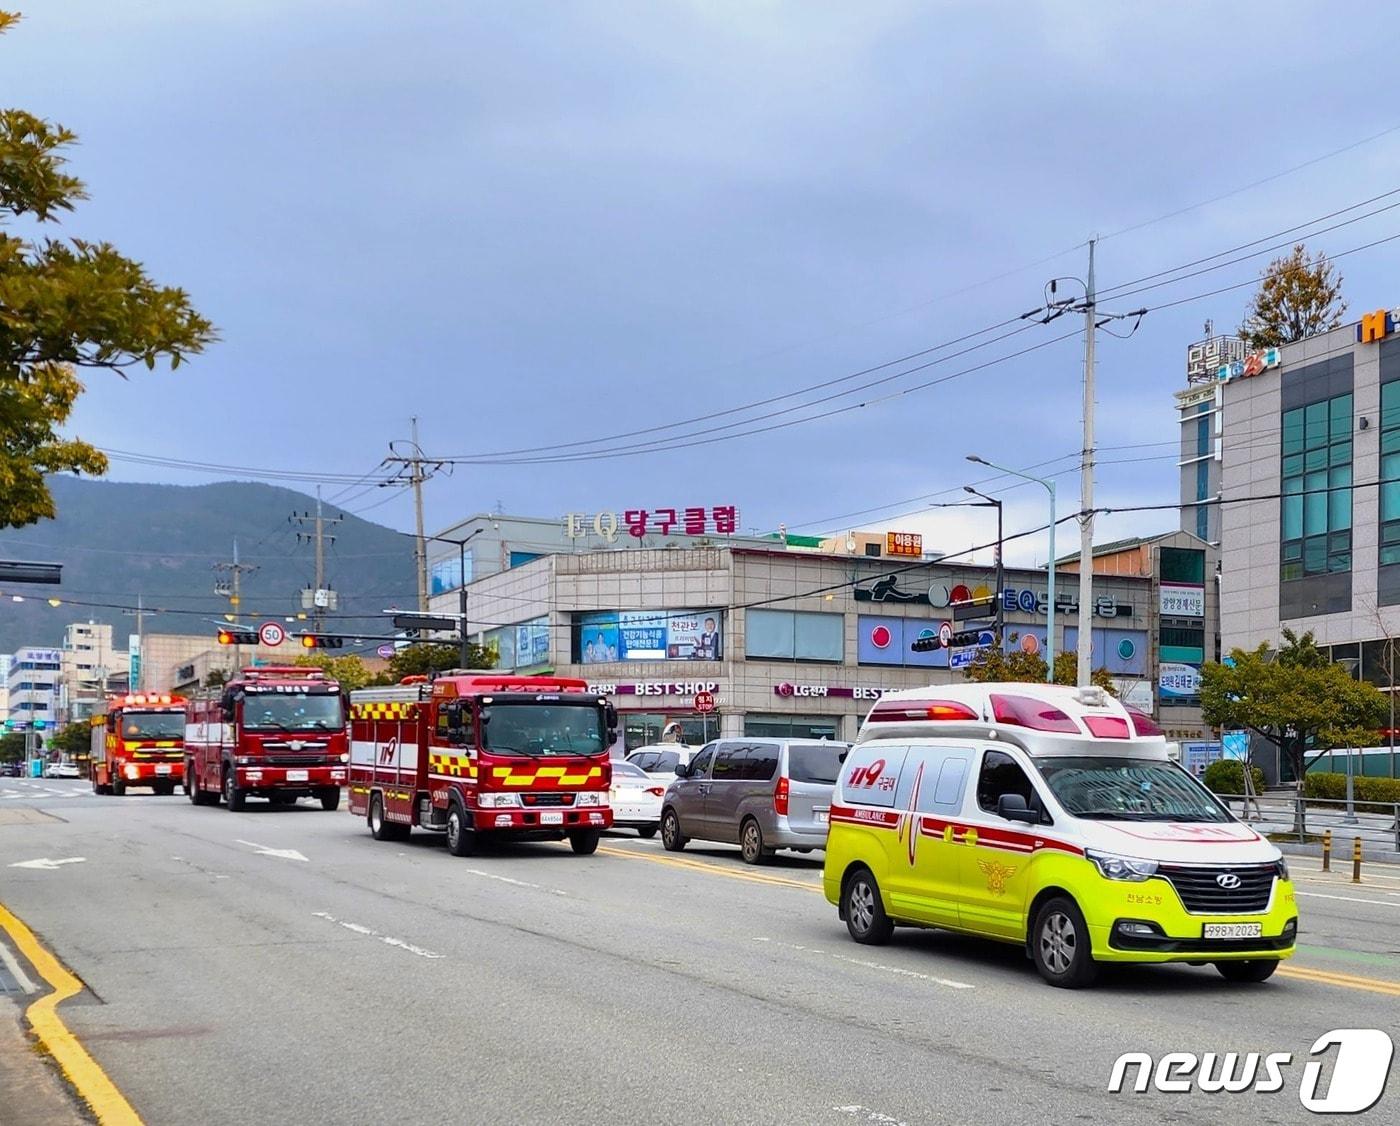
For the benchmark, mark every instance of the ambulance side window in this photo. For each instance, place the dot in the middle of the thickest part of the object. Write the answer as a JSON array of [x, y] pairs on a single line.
[[873, 772], [1001, 775]]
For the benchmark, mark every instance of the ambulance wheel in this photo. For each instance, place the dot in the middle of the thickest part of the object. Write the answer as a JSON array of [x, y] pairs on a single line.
[[330, 799], [461, 837], [864, 910], [1060, 945], [118, 786], [585, 841], [233, 796], [672, 839], [751, 846], [1254, 970]]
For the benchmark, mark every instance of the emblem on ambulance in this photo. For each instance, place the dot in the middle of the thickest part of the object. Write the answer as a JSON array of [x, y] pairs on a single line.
[[997, 875]]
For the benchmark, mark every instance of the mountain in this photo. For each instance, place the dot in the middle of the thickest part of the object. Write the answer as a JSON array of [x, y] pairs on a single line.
[[119, 540]]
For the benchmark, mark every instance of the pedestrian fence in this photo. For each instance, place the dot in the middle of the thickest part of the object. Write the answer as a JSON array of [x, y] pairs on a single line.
[[1377, 822]]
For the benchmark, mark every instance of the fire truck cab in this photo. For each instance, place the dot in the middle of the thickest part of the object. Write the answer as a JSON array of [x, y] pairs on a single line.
[[139, 741], [476, 756], [273, 731]]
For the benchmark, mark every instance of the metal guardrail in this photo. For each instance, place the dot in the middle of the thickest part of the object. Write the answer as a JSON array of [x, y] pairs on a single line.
[[1377, 821]]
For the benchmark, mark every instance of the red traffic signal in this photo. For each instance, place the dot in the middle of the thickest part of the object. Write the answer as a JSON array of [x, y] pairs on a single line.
[[321, 641], [237, 637]]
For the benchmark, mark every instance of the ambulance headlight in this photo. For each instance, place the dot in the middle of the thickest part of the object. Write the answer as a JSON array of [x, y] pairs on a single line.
[[1129, 868], [497, 801], [1281, 868], [593, 797]]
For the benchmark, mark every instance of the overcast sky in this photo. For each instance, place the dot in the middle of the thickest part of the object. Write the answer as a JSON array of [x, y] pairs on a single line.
[[540, 223]]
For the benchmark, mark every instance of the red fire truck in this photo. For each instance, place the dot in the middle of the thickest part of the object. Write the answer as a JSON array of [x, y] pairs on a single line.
[[273, 731], [474, 756], [140, 741]]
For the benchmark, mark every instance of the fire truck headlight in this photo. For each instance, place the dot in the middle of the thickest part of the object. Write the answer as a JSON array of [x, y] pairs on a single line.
[[242, 760], [1122, 867], [593, 797], [132, 772], [345, 758], [497, 801]]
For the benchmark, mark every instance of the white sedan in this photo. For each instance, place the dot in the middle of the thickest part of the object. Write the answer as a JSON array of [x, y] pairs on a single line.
[[62, 770], [635, 799]]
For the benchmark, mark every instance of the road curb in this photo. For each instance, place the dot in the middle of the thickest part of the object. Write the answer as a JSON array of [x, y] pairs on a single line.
[[1341, 857], [92, 1084]]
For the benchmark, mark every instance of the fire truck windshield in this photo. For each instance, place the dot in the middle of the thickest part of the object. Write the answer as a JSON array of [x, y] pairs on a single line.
[[293, 711], [153, 725], [542, 729]]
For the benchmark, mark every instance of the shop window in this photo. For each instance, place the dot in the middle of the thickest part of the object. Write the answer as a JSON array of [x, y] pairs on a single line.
[[791, 727], [794, 635]]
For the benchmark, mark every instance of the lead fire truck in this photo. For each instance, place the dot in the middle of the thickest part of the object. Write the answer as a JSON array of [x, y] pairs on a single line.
[[273, 731], [476, 756], [139, 741]]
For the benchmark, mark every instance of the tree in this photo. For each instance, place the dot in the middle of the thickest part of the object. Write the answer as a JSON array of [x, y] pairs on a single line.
[[1296, 699], [991, 664], [421, 660], [216, 678], [65, 305], [12, 746], [349, 671], [1298, 296], [73, 740]]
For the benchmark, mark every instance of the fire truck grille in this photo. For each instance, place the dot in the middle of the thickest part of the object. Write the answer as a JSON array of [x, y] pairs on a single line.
[[1240, 890], [315, 759], [547, 799]]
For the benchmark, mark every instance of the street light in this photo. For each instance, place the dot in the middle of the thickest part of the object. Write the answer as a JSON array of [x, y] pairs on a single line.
[[462, 652], [987, 502], [1049, 486]]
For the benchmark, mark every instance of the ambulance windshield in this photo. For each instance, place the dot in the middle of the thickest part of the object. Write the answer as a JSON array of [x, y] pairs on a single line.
[[542, 729], [1125, 789]]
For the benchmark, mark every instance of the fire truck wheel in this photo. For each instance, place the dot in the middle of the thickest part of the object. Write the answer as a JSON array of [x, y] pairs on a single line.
[[461, 838], [585, 842], [118, 786], [164, 789], [233, 796], [330, 799], [672, 840]]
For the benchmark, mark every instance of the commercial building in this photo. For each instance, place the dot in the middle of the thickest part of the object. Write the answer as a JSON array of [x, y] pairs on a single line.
[[34, 687], [1201, 421], [785, 642], [87, 660]]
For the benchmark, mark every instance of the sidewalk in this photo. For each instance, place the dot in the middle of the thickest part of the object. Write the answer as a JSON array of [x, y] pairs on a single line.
[[32, 1092]]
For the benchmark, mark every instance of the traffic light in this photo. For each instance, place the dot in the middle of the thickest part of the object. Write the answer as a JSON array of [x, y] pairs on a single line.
[[238, 637], [957, 641], [40, 724], [321, 641]]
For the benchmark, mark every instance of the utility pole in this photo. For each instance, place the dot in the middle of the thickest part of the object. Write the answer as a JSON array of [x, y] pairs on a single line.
[[1093, 321], [320, 600], [414, 469], [140, 615], [233, 590]]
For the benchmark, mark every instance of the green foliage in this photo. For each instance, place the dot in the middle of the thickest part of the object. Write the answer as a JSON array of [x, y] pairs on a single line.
[[349, 671], [73, 740], [12, 746], [1333, 787], [65, 305], [1226, 776], [1298, 296], [421, 660], [992, 665], [216, 678]]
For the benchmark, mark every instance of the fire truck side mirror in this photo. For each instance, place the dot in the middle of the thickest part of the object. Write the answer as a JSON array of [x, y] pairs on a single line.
[[610, 718], [456, 727], [226, 703]]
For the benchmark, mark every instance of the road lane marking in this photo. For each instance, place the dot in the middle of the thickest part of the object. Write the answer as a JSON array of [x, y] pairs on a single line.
[[713, 869], [898, 971], [108, 1104], [1347, 898], [508, 880], [388, 940], [281, 853], [16, 970], [1344, 981], [865, 1114], [47, 865]]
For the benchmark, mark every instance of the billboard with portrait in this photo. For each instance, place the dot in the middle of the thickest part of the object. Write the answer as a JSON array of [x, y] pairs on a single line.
[[648, 635]]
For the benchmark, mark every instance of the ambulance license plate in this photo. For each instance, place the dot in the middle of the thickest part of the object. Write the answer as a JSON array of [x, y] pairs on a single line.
[[1232, 930], [296, 776], [163, 768], [551, 817]]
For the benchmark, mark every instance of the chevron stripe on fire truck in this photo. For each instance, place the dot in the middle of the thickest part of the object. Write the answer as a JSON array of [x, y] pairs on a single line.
[[455, 766], [383, 709], [510, 776]]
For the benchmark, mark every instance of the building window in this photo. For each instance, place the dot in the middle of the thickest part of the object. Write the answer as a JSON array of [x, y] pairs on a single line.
[[794, 635], [1390, 473], [1316, 525], [446, 574], [791, 727], [1203, 432]]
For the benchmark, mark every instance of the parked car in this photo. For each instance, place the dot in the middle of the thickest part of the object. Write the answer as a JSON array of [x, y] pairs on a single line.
[[11, 770], [635, 799], [62, 770], [660, 760], [761, 794]]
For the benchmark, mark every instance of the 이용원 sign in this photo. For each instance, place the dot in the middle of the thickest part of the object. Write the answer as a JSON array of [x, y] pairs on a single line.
[[904, 543]]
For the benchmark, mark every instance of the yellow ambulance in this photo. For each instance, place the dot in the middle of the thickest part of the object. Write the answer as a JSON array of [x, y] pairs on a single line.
[[1053, 818]]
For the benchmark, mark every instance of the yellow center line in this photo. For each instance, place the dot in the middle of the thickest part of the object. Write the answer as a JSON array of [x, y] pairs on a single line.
[[712, 869], [1344, 981], [84, 1072]]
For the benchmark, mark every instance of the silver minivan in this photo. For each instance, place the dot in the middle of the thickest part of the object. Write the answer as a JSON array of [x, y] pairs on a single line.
[[761, 794]]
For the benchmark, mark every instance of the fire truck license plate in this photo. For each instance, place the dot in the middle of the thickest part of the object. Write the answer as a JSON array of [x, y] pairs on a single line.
[[163, 769], [551, 818], [296, 776], [1233, 930]]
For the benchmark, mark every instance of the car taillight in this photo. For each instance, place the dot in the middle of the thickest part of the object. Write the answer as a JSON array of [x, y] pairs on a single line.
[[656, 791], [1024, 711], [780, 796], [1143, 725], [607, 772], [1107, 726]]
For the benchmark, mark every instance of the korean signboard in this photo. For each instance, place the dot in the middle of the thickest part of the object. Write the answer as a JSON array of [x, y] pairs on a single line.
[[1180, 682], [1255, 363], [719, 520], [532, 643], [904, 543], [690, 688], [1182, 600], [649, 635]]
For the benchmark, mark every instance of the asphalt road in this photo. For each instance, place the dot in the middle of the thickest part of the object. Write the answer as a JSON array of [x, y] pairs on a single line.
[[280, 965]]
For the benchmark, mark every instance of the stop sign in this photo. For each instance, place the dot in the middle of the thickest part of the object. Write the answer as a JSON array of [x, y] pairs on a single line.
[[704, 702]]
